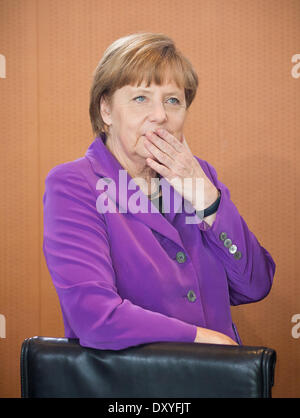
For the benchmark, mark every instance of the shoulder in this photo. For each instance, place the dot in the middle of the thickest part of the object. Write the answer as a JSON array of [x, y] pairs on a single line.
[[72, 174], [69, 168], [68, 187], [72, 178]]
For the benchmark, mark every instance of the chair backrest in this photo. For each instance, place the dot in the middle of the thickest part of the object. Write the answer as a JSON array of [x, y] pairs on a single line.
[[60, 367]]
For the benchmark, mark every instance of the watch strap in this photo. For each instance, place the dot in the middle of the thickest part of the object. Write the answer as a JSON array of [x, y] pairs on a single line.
[[211, 209]]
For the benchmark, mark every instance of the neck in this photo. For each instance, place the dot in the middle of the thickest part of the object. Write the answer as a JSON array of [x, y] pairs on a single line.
[[137, 169]]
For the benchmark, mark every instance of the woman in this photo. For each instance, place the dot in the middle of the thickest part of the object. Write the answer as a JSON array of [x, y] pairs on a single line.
[[128, 272]]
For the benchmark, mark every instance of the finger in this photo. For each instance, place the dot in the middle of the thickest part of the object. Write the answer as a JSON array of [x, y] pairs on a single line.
[[170, 139], [185, 144], [183, 140], [162, 144], [159, 168], [160, 155]]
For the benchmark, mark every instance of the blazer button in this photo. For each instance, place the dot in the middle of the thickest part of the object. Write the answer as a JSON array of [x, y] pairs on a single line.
[[180, 257], [232, 249], [223, 236], [238, 255], [227, 243], [191, 296]]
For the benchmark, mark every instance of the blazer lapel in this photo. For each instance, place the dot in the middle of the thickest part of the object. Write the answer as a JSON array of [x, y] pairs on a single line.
[[126, 195]]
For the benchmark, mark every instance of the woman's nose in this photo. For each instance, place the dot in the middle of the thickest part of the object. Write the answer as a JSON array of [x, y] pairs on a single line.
[[158, 113]]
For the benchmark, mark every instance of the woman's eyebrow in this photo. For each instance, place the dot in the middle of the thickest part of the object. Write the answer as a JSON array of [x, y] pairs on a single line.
[[138, 89]]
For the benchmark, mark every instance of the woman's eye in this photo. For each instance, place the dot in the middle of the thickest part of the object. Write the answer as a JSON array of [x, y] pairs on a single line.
[[138, 97], [143, 98], [174, 98]]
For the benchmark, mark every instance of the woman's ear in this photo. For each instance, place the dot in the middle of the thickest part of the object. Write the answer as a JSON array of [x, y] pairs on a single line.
[[105, 110]]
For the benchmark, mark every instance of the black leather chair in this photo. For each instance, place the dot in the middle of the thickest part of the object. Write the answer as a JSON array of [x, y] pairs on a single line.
[[60, 367]]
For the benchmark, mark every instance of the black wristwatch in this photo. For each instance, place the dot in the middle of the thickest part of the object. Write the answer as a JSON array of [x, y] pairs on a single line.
[[211, 209]]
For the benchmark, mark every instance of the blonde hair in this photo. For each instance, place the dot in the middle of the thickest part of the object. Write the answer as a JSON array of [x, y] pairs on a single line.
[[132, 59]]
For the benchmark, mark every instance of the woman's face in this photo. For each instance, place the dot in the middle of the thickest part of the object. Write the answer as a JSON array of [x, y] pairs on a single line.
[[137, 110]]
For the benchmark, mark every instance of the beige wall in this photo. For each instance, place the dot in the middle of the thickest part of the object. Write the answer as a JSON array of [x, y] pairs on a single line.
[[245, 121]]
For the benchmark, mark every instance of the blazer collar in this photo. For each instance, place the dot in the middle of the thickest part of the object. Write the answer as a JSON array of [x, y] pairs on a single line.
[[105, 165]]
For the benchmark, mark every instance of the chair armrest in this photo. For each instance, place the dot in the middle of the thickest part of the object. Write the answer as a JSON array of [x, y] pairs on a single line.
[[60, 367]]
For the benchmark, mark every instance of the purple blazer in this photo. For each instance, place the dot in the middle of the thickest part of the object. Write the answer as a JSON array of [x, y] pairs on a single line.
[[126, 278]]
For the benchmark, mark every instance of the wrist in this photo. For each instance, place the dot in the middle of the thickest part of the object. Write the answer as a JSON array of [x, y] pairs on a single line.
[[207, 210], [205, 199]]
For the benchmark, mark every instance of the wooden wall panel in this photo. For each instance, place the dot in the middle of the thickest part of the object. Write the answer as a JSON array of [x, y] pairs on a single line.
[[244, 121], [20, 194]]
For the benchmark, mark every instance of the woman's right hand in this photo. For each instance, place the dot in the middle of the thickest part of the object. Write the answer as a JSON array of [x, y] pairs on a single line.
[[209, 336]]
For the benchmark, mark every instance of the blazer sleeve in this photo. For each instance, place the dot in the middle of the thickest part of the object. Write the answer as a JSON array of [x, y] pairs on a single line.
[[77, 253], [249, 267]]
